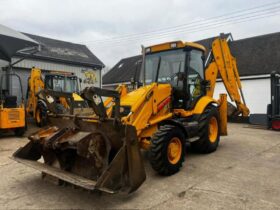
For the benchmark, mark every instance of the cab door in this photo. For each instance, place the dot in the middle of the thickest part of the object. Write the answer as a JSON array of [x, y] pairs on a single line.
[[195, 77]]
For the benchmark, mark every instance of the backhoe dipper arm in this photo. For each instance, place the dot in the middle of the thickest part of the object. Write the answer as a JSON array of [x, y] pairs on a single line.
[[224, 63]]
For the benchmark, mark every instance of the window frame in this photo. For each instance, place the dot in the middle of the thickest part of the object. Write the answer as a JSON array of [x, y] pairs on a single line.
[[187, 96]]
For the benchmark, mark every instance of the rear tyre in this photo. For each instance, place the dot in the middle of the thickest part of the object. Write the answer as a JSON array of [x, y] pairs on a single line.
[[20, 131], [41, 115], [167, 152], [209, 131]]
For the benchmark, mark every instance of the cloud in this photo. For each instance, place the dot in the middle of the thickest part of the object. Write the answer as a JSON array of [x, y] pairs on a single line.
[[87, 20]]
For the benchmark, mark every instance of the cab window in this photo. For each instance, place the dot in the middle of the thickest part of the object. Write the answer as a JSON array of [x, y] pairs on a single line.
[[196, 73]]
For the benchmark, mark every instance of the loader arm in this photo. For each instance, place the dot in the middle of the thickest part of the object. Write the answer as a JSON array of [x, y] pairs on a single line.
[[225, 64], [108, 103]]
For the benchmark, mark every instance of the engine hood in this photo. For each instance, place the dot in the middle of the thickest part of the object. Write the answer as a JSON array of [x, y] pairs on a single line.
[[135, 96]]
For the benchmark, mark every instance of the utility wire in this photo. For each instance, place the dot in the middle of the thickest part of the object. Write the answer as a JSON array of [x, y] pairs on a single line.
[[204, 24], [202, 27], [192, 29], [188, 25], [179, 26], [198, 23], [205, 29]]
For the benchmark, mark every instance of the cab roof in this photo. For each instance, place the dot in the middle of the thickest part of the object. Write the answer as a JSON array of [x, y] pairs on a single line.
[[173, 45]]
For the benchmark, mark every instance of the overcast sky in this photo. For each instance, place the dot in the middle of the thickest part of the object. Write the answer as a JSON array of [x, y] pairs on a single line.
[[89, 21]]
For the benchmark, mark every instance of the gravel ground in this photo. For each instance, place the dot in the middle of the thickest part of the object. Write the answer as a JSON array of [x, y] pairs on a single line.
[[244, 173]]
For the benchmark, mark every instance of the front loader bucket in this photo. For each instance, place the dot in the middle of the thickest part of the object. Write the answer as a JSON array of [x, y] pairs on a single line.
[[91, 154]]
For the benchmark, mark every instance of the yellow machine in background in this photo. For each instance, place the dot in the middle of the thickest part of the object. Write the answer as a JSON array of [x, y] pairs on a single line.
[[12, 113], [61, 82], [174, 107], [12, 108]]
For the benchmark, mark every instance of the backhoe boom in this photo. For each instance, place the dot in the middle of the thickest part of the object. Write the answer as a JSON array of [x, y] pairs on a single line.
[[225, 64]]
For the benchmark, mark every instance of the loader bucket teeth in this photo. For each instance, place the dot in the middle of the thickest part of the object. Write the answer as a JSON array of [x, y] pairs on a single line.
[[92, 155]]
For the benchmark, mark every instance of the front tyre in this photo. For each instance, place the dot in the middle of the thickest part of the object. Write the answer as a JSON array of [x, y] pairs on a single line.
[[167, 152]]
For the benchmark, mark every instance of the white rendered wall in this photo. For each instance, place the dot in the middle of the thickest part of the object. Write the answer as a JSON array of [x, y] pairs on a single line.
[[256, 93]]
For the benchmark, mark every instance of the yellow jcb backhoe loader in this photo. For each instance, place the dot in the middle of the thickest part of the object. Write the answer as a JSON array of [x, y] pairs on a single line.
[[174, 107], [63, 84]]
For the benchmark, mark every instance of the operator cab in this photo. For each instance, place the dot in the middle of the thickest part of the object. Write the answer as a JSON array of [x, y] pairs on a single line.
[[11, 96], [62, 83], [179, 64]]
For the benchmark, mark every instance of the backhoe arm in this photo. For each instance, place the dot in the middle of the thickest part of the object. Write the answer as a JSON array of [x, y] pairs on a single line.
[[35, 84], [224, 63]]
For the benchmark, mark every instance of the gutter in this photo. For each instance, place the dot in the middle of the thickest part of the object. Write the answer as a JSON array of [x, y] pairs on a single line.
[[252, 77], [113, 84]]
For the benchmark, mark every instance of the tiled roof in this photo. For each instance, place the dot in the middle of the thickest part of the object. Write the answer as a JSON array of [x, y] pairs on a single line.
[[124, 70], [66, 52], [257, 55]]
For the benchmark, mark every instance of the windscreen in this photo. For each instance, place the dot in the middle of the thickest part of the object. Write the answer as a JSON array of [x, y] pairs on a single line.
[[167, 64], [71, 84], [66, 84], [58, 84]]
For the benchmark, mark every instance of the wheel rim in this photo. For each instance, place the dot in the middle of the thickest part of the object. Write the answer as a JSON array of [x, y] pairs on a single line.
[[213, 129], [174, 150], [38, 116]]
